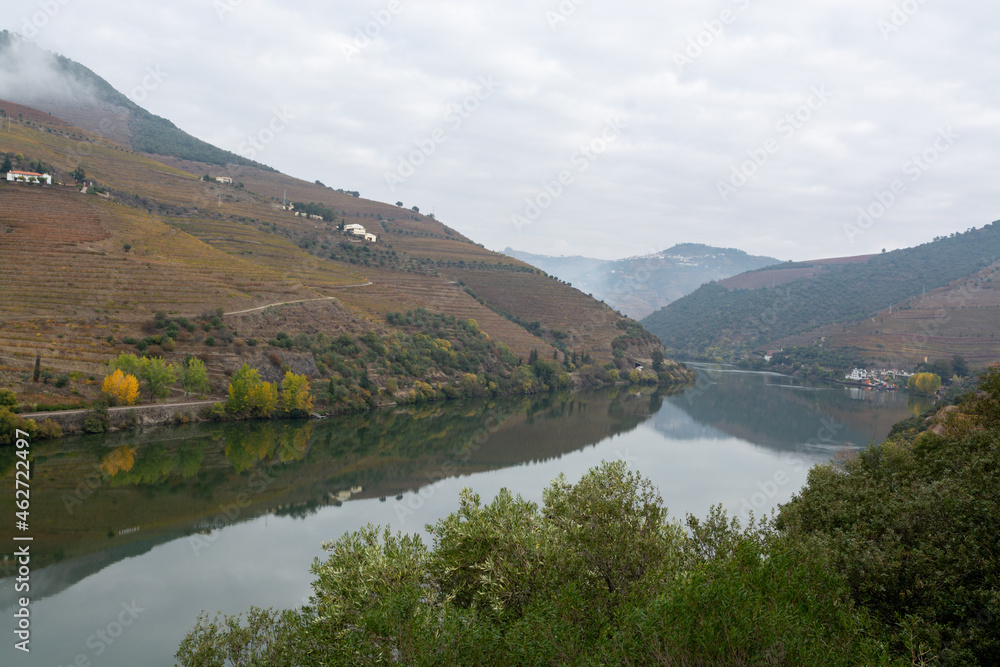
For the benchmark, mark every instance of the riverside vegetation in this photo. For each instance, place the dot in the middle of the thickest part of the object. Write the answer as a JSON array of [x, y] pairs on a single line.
[[428, 356], [889, 558]]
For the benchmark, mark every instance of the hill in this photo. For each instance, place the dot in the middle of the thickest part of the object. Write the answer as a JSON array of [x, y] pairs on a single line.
[[637, 286], [125, 253], [933, 300], [66, 89]]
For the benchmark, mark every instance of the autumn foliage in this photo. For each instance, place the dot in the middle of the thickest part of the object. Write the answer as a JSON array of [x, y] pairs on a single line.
[[296, 398], [120, 459], [122, 388], [925, 384]]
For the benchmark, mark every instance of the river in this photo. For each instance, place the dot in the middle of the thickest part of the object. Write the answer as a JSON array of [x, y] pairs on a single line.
[[134, 534]]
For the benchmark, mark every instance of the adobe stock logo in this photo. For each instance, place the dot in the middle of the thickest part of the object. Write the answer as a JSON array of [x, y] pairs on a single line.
[[580, 161], [154, 77], [455, 115], [914, 168], [254, 144], [740, 174], [363, 36]]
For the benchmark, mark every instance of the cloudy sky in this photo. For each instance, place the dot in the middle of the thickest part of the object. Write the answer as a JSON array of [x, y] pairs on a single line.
[[608, 129]]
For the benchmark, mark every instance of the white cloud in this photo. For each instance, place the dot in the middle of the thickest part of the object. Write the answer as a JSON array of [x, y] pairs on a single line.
[[688, 126]]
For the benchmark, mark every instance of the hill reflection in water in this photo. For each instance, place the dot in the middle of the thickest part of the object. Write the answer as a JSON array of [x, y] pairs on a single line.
[[781, 413], [99, 499]]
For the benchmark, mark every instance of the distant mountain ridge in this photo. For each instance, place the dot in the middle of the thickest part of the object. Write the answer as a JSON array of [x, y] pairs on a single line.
[[72, 92], [637, 286], [754, 311]]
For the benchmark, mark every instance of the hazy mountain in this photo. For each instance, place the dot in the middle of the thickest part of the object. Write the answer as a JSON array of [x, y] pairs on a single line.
[[637, 286], [68, 90]]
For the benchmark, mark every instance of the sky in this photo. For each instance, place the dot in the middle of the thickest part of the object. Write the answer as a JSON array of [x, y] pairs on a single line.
[[586, 127]]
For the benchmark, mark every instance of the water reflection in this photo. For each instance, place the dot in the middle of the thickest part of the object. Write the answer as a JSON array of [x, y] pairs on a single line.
[[782, 413], [98, 499], [224, 516]]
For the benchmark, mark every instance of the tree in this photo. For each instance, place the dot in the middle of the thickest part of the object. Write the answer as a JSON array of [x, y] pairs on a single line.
[[249, 395], [959, 366], [242, 381], [296, 398], [924, 384], [399, 203], [941, 368], [415, 209], [127, 363], [121, 388], [158, 376], [38, 366], [262, 400], [7, 165], [194, 377], [657, 360], [78, 174]]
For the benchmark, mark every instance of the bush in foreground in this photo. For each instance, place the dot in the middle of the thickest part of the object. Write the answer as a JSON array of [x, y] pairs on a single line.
[[597, 575], [913, 524]]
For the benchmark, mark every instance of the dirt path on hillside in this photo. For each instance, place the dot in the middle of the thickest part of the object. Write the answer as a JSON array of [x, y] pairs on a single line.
[[289, 303]]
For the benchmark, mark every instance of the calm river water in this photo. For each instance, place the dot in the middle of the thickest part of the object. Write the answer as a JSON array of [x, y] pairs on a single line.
[[135, 534]]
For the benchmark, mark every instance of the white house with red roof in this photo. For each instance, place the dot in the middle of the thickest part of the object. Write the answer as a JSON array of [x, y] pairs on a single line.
[[28, 177]]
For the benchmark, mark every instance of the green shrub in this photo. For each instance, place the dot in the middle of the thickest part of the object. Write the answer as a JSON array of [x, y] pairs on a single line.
[[913, 524], [50, 429], [98, 420], [10, 423], [597, 576], [8, 398]]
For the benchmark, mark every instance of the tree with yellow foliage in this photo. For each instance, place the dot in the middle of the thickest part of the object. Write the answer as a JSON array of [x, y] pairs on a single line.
[[122, 388], [296, 399], [262, 400], [249, 395], [925, 384]]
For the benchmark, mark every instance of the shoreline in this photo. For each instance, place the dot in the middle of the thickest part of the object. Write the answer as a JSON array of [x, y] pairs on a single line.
[[122, 418]]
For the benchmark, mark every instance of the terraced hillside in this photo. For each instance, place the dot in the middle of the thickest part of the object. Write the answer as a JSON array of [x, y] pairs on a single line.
[[941, 296], [961, 318], [86, 271]]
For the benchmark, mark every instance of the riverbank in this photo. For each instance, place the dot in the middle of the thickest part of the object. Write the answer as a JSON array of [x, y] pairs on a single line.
[[121, 418]]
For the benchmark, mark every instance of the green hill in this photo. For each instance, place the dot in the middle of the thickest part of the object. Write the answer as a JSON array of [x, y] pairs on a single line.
[[718, 321]]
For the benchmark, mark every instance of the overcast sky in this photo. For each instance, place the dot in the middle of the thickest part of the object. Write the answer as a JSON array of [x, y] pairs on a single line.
[[606, 129]]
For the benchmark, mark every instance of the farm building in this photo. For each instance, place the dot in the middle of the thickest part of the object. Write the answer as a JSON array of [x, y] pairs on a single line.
[[224, 179], [28, 177], [354, 228]]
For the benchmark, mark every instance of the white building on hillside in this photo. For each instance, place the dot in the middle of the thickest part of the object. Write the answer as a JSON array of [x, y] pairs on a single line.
[[354, 228], [28, 177]]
